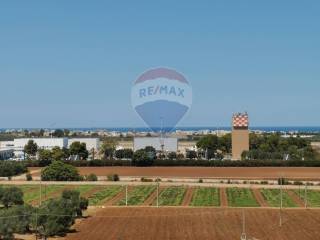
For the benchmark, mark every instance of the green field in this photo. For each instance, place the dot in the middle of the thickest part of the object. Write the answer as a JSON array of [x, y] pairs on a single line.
[[313, 197], [205, 197], [272, 196], [104, 194], [172, 196], [138, 195], [241, 197]]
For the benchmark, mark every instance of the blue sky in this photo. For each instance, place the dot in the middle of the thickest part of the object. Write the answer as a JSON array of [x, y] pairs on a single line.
[[73, 63]]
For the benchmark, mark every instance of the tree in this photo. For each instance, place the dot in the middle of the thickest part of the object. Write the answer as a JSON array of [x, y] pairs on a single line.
[[58, 133], [191, 154], [77, 203], [45, 157], [143, 158], [11, 168], [57, 154], [79, 149], [172, 155], [11, 196], [31, 148], [10, 224], [124, 154], [108, 148], [59, 171], [56, 216]]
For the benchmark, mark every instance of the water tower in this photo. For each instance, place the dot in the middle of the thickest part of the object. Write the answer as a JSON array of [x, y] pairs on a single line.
[[240, 134]]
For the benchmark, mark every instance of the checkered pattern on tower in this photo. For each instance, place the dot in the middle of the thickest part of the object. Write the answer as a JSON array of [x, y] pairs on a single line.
[[240, 120]]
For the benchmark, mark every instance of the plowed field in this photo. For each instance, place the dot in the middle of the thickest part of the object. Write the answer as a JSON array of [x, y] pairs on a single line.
[[189, 224]]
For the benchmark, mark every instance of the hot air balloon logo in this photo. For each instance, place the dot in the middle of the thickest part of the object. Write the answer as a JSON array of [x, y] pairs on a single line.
[[161, 97]]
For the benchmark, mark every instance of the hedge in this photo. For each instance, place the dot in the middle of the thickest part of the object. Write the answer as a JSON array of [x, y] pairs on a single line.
[[193, 163]]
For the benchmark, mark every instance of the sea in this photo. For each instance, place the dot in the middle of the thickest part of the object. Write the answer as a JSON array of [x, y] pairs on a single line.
[[289, 129]]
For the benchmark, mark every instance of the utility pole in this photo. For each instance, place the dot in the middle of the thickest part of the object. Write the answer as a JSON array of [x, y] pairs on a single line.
[[158, 194], [243, 235], [280, 212], [306, 196], [40, 194], [126, 195]]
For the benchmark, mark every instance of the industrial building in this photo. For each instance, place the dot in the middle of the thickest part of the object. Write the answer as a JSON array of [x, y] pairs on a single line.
[[15, 148], [159, 143], [91, 143], [240, 135]]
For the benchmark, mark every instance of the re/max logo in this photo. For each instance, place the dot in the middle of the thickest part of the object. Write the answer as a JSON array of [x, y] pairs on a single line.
[[165, 90]]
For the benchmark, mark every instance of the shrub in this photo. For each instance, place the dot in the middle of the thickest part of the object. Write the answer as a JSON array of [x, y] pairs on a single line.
[[200, 180], [283, 181], [11, 168], [113, 177], [29, 177], [143, 179], [11, 196], [91, 178], [59, 171]]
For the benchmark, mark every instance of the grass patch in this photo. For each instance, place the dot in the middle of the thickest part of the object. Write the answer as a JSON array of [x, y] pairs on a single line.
[[203, 197], [104, 195], [313, 197], [172, 196], [138, 195], [46, 190], [241, 197], [272, 196]]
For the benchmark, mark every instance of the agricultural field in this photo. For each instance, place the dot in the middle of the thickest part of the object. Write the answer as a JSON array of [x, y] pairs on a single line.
[[104, 195], [172, 196], [205, 197], [138, 195], [197, 223], [241, 197], [145, 195], [313, 197], [272, 196]]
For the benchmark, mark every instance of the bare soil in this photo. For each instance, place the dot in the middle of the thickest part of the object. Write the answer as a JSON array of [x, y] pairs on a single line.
[[295, 198], [223, 198], [188, 197], [260, 199], [312, 173], [145, 223]]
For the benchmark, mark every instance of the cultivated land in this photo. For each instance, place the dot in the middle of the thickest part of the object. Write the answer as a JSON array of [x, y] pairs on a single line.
[[183, 196], [205, 172], [197, 223]]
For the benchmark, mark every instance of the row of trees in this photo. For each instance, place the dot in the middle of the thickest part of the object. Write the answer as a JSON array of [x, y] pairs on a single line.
[[11, 168], [47, 156], [273, 146], [52, 218]]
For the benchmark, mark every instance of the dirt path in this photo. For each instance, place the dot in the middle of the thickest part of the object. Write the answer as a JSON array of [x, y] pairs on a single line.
[[260, 199], [113, 201], [223, 198], [92, 191], [295, 198], [152, 198], [187, 197]]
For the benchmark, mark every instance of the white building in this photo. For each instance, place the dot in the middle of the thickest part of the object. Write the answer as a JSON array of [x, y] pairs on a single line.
[[43, 143], [6, 153], [168, 144], [91, 143]]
